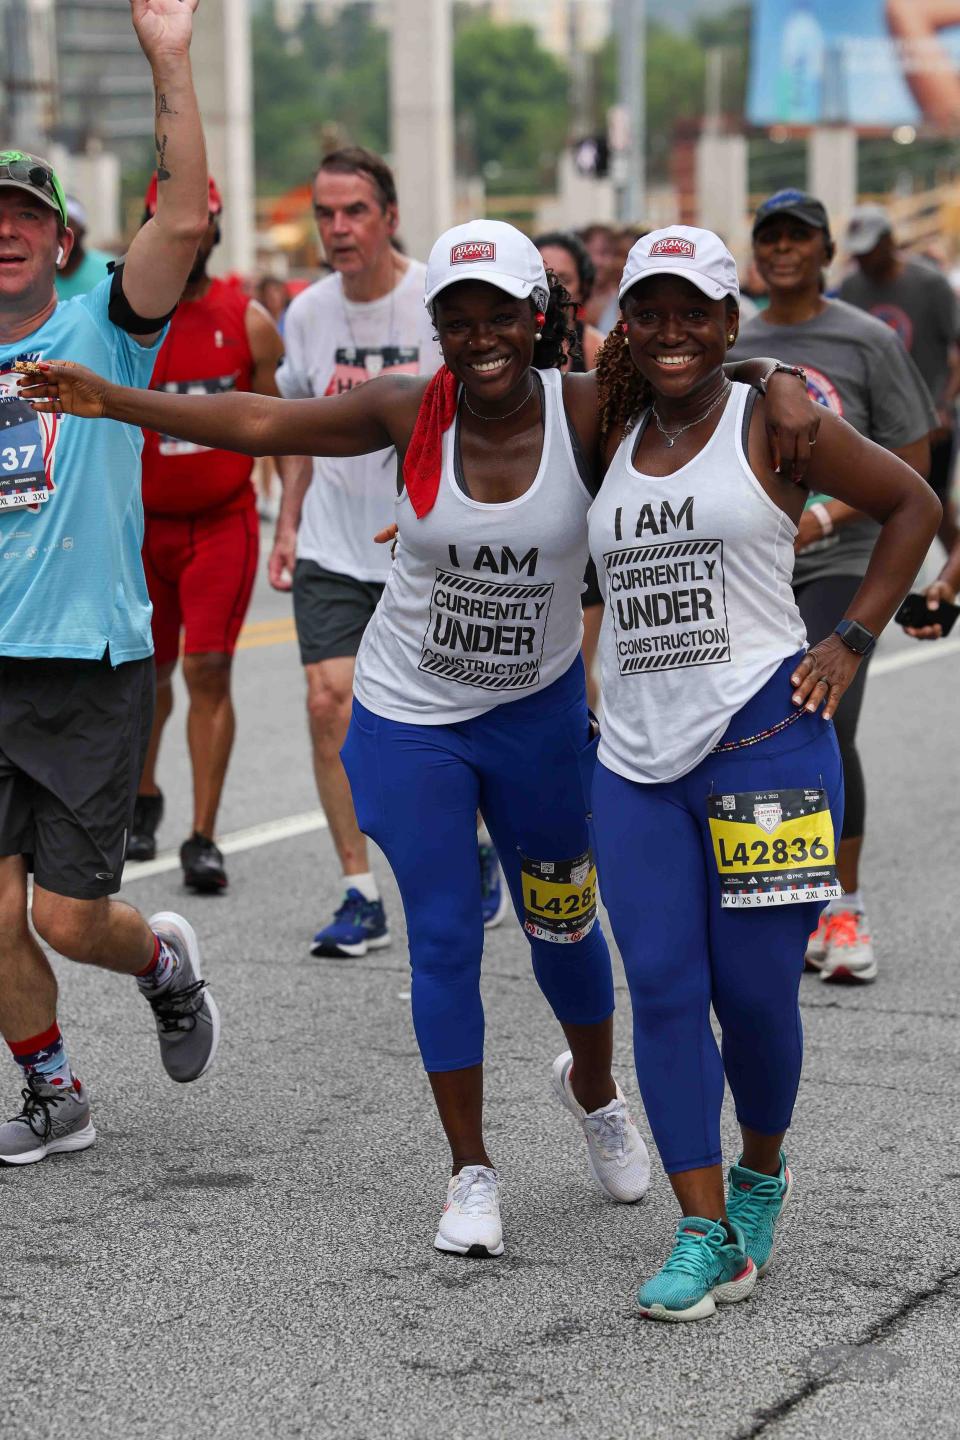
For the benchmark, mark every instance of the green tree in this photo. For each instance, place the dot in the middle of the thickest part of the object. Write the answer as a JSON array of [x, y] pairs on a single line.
[[319, 76], [511, 104]]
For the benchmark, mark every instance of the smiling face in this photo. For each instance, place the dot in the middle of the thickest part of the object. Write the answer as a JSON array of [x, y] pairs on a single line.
[[790, 255], [678, 337], [355, 227], [487, 338], [30, 236]]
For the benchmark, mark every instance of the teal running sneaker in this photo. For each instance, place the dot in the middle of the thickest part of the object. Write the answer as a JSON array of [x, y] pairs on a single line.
[[705, 1269], [755, 1203]]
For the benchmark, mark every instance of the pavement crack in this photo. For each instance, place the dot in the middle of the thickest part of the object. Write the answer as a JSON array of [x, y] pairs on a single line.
[[881, 1329]]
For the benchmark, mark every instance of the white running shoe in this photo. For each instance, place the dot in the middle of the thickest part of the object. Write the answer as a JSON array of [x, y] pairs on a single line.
[[617, 1155], [470, 1219], [818, 944], [850, 958]]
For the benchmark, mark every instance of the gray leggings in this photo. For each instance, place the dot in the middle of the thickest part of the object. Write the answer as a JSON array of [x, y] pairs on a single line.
[[822, 604]]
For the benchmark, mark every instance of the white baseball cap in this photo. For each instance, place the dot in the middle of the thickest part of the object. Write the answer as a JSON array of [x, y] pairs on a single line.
[[868, 225], [696, 255], [488, 250]]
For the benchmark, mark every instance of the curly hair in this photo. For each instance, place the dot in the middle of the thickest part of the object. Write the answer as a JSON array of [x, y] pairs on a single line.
[[622, 392], [558, 338], [575, 248]]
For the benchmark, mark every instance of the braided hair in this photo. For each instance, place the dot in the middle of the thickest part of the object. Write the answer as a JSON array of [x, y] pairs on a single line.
[[622, 392], [558, 338]]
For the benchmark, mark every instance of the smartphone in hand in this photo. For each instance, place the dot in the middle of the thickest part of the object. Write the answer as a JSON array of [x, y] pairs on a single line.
[[914, 612]]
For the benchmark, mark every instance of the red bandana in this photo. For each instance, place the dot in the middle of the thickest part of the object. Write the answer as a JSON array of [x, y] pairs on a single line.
[[423, 460]]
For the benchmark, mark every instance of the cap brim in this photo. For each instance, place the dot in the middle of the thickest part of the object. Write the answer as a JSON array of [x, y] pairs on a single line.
[[862, 244], [800, 215], [37, 195], [711, 288], [518, 289]]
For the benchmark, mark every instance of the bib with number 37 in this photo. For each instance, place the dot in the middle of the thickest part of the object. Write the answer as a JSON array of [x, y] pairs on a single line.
[[773, 847]]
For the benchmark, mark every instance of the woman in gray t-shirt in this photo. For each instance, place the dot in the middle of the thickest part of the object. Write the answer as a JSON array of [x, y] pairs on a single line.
[[858, 368]]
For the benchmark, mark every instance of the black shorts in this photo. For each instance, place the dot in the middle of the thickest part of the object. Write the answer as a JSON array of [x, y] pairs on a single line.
[[331, 611], [941, 468], [73, 737], [591, 595]]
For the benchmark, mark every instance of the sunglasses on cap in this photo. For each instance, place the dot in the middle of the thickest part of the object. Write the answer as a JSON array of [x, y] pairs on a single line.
[[26, 171]]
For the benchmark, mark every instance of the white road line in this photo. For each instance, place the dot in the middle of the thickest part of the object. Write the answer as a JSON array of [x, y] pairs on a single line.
[[310, 821], [924, 651], [251, 839]]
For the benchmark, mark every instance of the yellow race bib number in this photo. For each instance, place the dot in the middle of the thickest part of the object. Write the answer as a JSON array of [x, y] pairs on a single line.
[[773, 847], [559, 898]]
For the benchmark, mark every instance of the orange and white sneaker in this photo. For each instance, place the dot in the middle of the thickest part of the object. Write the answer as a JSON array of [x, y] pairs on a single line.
[[849, 959], [818, 944]]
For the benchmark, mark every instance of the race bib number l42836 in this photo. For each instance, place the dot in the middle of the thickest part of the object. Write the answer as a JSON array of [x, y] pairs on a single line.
[[773, 847]]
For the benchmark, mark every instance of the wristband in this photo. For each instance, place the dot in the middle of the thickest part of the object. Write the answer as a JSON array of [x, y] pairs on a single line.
[[823, 516], [779, 367]]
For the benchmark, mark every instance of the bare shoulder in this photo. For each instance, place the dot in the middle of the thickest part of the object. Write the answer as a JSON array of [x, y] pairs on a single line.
[[580, 402]]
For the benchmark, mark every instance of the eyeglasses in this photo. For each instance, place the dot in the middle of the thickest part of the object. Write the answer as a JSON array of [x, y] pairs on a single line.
[[29, 172]]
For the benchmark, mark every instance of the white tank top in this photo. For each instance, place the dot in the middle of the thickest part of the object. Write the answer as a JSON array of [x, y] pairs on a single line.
[[696, 569], [482, 604]]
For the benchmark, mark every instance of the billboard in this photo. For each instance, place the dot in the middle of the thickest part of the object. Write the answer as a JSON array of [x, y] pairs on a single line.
[[868, 63]]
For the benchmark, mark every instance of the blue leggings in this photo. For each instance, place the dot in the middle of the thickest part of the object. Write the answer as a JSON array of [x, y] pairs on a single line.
[[417, 789], [683, 953]]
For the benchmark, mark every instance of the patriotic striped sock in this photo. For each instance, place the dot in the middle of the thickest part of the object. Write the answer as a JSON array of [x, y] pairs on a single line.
[[45, 1057]]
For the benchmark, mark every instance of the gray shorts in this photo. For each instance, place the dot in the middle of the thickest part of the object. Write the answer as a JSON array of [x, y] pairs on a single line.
[[73, 737], [331, 611]]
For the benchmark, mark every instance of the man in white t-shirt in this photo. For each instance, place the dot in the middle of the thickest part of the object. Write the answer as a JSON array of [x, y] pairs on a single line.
[[366, 318]]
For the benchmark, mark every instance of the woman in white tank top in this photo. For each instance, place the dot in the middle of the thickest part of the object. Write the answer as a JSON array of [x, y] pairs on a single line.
[[469, 686], [718, 790]]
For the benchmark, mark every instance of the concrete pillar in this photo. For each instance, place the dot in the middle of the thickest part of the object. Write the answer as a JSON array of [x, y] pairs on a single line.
[[832, 171], [222, 73], [421, 120], [722, 195]]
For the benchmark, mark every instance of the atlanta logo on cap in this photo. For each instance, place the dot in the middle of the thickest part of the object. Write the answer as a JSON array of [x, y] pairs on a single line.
[[469, 251], [676, 246]]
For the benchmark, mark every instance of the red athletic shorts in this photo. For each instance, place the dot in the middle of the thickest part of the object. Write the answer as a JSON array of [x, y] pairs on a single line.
[[200, 571]]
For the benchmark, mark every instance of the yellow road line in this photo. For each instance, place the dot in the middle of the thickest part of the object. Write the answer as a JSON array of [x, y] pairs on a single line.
[[267, 632]]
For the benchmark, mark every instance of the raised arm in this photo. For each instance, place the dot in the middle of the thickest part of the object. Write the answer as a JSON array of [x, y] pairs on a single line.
[[792, 418], [928, 67], [370, 417], [163, 250]]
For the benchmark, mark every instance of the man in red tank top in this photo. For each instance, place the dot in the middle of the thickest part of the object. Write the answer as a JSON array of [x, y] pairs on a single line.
[[201, 545]]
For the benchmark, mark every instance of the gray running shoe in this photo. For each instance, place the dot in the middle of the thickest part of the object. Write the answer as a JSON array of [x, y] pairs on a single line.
[[188, 1021], [52, 1121]]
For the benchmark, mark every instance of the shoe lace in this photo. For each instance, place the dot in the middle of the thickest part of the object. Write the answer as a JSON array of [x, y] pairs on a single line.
[[844, 928], [689, 1253], [746, 1206], [36, 1110], [177, 1009], [475, 1191], [608, 1130], [352, 908]]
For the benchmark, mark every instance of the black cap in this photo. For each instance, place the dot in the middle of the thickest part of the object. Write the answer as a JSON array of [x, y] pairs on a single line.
[[796, 203]]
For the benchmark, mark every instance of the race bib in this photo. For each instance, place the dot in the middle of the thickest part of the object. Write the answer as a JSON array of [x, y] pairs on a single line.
[[773, 847], [559, 898], [23, 479]]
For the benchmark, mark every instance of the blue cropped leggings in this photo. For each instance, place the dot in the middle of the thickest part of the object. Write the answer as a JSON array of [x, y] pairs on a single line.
[[417, 789], [683, 953]]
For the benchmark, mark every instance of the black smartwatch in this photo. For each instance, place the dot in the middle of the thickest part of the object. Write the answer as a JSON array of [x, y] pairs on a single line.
[[856, 637]]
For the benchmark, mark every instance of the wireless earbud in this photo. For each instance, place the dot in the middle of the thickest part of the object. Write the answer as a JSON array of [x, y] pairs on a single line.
[[60, 256]]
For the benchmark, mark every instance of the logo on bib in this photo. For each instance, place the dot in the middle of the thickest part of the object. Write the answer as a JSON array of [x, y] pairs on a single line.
[[768, 817], [675, 246], [470, 250]]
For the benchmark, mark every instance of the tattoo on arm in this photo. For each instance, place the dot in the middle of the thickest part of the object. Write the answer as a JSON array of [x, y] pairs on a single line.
[[163, 108], [162, 172]]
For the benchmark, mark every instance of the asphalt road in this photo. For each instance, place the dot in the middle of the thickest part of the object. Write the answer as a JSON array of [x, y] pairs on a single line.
[[251, 1256]]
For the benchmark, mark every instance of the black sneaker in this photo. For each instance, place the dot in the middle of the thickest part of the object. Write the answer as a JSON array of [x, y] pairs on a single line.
[[202, 864], [147, 814]]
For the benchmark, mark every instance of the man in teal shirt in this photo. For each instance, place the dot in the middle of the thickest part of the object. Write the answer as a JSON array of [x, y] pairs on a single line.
[[76, 669], [84, 268]]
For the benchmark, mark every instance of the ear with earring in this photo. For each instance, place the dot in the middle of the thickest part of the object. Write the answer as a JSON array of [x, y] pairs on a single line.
[[626, 338], [541, 320]]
